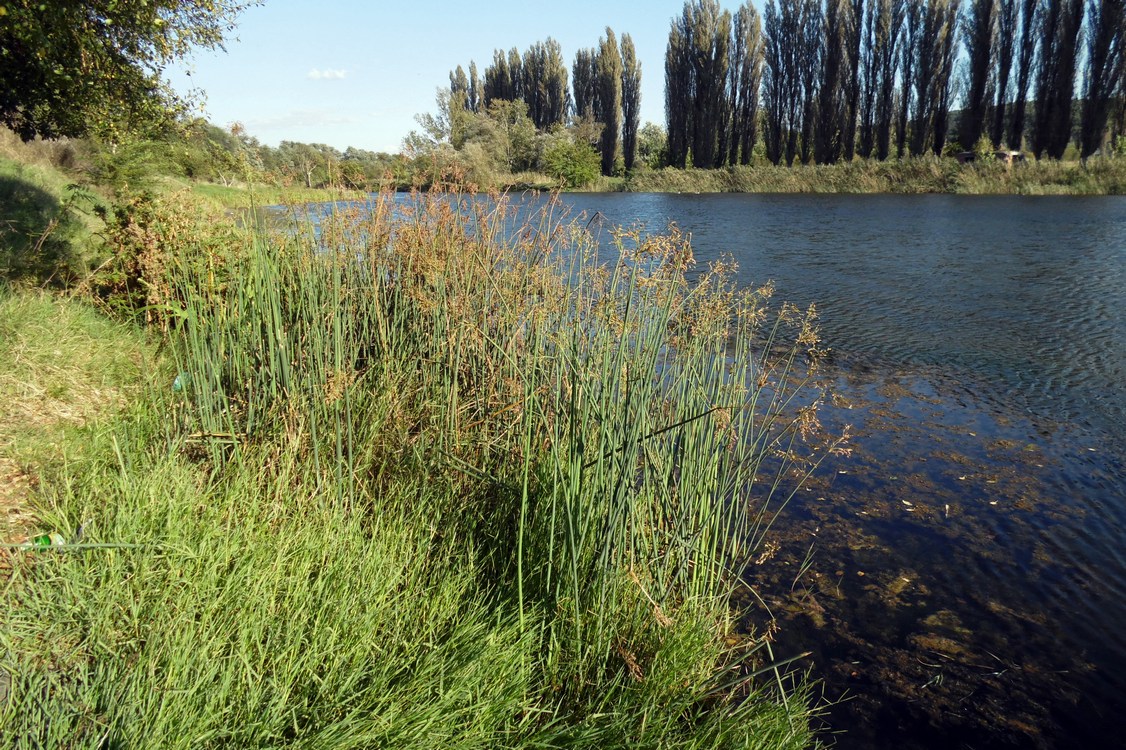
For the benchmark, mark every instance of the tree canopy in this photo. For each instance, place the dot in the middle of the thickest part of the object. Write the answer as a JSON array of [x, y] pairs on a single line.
[[73, 67]]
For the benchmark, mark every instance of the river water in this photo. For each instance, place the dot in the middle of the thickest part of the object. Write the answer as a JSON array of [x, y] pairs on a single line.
[[967, 583]]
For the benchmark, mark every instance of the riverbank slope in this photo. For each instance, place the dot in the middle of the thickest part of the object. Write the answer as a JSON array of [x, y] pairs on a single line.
[[338, 497]]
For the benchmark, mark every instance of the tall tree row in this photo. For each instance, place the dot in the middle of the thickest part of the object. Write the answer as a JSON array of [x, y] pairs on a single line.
[[713, 74], [538, 78], [824, 80]]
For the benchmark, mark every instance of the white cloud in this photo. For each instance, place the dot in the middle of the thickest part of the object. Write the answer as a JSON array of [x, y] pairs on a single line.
[[326, 75]]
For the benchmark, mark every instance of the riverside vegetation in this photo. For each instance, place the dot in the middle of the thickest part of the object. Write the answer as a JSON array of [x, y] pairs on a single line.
[[439, 472]]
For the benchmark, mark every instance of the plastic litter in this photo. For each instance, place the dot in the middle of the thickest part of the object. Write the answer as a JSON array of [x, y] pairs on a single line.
[[182, 381], [44, 541]]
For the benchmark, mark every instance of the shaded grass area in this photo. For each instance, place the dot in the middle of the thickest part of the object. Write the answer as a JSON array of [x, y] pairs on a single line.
[[47, 224], [431, 476], [911, 176]]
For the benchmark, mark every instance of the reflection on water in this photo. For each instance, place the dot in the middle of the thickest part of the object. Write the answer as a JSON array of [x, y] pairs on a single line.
[[968, 586]]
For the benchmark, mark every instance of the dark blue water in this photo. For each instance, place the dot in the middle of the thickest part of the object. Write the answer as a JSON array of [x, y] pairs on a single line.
[[960, 578], [968, 585]]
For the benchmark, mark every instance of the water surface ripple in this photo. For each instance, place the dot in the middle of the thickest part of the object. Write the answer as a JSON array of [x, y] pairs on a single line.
[[969, 579]]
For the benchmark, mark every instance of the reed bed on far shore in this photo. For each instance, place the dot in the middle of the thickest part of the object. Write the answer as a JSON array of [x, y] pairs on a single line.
[[917, 175]]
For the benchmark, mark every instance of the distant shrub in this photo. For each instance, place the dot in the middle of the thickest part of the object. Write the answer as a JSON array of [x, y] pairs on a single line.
[[573, 164]]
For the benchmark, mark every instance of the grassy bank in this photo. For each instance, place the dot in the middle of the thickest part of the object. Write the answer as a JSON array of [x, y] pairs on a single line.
[[240, 196], [912, 176], [425, 478]]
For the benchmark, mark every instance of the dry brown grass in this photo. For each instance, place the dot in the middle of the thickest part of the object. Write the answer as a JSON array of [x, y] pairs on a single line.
[[63, 368]]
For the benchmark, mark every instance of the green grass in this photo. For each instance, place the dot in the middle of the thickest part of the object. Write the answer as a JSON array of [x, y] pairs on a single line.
[[480, 491], [63, 367], [243, 196]]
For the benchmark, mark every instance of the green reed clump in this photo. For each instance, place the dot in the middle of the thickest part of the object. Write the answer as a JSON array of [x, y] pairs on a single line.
[[446, 472]]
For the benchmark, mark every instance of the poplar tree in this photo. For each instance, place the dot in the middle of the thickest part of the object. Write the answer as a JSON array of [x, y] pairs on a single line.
[[498, 80], [678, 92], [1007, 18], [745, 83], [1026, 59], [869, 77], [459, 88], [544, 84], [1055, 79], [583, 74], [934, 36], [912, 36], [609, 102], [696, 69], [889, 26], [516, 73], [809, 66], [1106, 21], [927, 65], [631, 101], [832, 104], [980, 25], [711, 34], [474, 88], [782, 87], [944, 81], [853, 33]]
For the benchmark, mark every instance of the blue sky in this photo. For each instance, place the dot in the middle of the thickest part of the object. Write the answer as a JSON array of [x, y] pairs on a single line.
[[356, 72]]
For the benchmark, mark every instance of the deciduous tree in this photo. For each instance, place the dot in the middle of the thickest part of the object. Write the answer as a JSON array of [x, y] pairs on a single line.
[[745, 83], [70, 68], [832, 104]]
